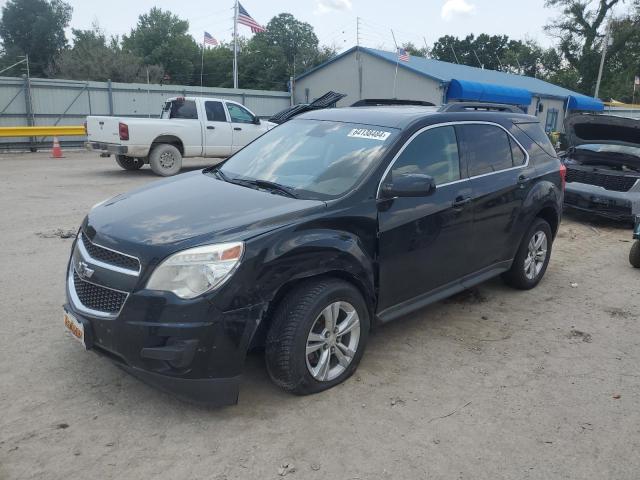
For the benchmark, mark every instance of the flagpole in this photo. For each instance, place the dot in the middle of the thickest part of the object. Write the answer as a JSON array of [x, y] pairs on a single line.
[[201, 66], [395, 76], [235, 45]]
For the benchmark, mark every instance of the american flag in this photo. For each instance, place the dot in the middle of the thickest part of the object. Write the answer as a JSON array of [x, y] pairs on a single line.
[[403, 55], [245, 19], [209, 40]]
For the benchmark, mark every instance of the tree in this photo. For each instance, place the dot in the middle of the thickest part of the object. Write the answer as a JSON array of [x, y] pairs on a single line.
[[411, 49], [161, 38], [580, 33], [94, 57], [34, 28]]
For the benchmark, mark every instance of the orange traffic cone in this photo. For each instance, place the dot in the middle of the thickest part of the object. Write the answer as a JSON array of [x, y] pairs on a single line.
[[56, 151]]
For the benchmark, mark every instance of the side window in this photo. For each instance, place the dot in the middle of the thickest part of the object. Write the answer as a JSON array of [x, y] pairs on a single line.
[[239, 114], [185, 109], [434, 152], [519, 157], [215, 112], [487, 149]]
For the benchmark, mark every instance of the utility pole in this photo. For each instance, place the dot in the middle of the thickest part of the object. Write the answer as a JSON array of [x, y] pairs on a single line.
[[235, 45], [605, 45]]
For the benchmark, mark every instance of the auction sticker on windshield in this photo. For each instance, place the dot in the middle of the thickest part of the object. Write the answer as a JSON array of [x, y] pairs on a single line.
[[370, 134]]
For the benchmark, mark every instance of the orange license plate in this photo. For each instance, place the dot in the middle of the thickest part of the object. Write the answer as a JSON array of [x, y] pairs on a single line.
[[75, 328]]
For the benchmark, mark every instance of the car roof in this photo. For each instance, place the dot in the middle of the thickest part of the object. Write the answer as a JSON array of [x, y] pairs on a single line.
[[402, 116]]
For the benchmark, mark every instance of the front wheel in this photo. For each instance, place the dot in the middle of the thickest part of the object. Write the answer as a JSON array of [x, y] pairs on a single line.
[[165, 160], [129, 163], [318, 336], [532, 257], [634, 254]]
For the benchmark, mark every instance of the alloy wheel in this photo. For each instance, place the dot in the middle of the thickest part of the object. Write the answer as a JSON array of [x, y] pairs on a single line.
[[536, 255], [333, 341]]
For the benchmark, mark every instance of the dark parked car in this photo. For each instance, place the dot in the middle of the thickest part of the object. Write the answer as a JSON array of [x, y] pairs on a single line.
[[603, 165], [328, 224]]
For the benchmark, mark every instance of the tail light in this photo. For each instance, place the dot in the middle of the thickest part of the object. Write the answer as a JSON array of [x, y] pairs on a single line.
[[123, 130], [563, 176]]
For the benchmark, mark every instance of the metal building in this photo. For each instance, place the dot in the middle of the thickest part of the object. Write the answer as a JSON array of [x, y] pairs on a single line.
[[362, 72]]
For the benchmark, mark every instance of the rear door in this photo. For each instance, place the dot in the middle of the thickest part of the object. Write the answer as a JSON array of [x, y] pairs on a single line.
[[424, 242], [243, 123], [103, 129], [501, 178], [217, 132]]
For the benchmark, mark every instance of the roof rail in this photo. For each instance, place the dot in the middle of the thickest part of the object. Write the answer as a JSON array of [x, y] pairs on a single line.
[[379, 102], [479, 107]]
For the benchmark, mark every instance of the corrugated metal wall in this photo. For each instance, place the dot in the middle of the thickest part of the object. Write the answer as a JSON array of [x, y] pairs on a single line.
[[68, 102]]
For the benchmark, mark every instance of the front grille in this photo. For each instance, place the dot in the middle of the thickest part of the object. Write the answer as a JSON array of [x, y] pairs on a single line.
[[618, 183], [109, 256], [98, 298]]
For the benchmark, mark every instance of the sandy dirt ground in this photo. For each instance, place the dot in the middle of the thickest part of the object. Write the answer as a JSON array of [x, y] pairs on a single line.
[[491, 384]]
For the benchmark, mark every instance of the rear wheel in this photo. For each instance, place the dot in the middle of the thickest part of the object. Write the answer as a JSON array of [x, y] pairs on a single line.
[[532, 257], [634, 254], [165, 160], [129, 163], [317, 337]]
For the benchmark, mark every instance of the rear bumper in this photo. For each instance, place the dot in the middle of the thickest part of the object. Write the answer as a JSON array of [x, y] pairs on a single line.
[[619, 206], [107, 147]]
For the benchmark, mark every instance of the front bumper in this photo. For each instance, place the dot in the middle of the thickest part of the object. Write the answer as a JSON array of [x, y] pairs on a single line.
[[619, 206], [190, 348]]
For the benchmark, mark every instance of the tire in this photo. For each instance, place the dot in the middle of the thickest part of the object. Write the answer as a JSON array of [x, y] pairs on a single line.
[[129, 163], [634, 254], [525, 276], [299, 323], [165, 160]]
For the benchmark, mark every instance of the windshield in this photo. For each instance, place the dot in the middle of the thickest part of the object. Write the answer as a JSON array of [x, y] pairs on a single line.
[[313, 159]]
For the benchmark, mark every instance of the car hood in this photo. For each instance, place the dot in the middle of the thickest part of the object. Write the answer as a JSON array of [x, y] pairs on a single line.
[[583, 129], [187, 210]]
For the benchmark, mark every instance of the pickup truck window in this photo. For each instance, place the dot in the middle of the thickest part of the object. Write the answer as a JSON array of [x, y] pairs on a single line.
[[215, 112], [185, 109], [434, 153], [239, 114], [315, 159]]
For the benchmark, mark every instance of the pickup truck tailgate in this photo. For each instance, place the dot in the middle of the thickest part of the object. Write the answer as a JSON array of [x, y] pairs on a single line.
[[103, 129]]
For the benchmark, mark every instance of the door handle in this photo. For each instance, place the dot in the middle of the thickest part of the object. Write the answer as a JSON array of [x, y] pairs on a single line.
[[210, 127], [237, 128], [461, 201]]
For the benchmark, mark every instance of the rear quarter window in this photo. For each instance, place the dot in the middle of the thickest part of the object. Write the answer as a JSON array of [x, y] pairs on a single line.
[[535, 132]]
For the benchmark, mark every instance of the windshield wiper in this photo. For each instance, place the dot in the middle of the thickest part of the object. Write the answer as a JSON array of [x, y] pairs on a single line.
[[219, 173], [266, 184]]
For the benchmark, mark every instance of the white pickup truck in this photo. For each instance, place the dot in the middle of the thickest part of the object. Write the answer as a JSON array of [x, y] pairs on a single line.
[[188, 127]]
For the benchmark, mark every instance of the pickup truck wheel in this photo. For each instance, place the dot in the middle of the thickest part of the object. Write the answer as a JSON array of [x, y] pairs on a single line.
[[318, 336], [129, 163], [634, 254], [532, 257], [165, 160]]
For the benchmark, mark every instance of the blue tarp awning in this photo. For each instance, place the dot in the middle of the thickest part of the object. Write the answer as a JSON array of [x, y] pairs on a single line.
[[582, 102], [463, 90]]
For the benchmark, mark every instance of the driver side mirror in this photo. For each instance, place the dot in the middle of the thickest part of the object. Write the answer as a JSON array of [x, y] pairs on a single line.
[[256, 120], [408, 185]]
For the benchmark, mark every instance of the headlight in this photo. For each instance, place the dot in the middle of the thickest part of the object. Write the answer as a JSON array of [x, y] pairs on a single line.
[[198, 270]]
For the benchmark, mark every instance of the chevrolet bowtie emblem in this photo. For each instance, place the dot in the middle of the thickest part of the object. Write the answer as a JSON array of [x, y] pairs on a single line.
[[83, 270]]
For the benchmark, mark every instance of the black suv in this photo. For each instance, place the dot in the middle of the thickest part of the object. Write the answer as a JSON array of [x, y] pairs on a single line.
[[308, 237]]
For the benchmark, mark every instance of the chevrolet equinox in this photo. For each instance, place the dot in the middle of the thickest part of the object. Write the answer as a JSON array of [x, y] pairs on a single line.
[[300, 243]]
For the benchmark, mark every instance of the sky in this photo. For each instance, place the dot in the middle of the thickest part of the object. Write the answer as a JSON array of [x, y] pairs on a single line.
[[335, 21]]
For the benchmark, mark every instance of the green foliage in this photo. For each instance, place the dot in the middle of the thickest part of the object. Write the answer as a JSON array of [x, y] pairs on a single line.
[[161, 38], [34, 28], [93, 57]]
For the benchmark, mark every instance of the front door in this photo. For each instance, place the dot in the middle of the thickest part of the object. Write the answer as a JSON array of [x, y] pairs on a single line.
[[424, 241], [243, 123], [501, 178], [217, 131]]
